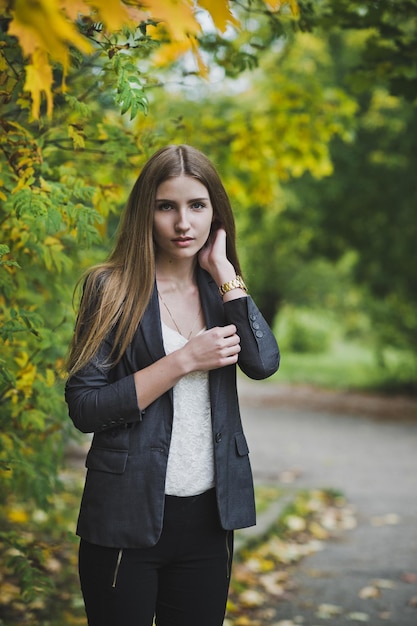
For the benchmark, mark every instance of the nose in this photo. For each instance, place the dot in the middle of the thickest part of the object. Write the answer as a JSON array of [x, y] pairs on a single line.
[[182, 224]]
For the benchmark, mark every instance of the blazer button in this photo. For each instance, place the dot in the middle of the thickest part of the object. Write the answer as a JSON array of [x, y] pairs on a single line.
[[259, 334], [218, 437], [255, 325]]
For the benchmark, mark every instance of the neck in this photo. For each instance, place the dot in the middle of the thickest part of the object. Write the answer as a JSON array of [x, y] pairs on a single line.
[[176, 275]]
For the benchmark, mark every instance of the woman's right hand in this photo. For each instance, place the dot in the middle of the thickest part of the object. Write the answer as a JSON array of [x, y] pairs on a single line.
[[214, 348], [209, 350]]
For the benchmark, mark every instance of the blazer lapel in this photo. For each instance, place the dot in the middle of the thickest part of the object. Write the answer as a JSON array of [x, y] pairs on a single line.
[[214, 316], [150, 327], [210, 301]]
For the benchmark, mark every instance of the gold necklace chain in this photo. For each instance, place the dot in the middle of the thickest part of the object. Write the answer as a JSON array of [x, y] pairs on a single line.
[[175, 323]]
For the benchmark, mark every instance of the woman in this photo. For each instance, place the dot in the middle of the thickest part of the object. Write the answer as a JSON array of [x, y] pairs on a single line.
[[152, 373]]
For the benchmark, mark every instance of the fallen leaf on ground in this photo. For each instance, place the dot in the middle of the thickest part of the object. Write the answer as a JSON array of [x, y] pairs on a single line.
[[384, 615], [266, 615], [384, 583], [252, 598], [290, 475], [289, 552], [326, 611], [246, 621], [390, 519], [294, 522], [369, 592], [413, 602], [272, 584], [358, 617], [318, 531], [409, 577]]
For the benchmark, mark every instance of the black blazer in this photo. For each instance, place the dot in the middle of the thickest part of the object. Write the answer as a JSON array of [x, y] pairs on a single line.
[[123, 500]]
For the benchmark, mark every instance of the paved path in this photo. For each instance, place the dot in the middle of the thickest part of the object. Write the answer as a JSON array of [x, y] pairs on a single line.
[[367, 448]]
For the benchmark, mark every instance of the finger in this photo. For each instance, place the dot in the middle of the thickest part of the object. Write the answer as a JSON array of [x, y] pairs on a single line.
[[229, 330], [220, 236], [233, 340]]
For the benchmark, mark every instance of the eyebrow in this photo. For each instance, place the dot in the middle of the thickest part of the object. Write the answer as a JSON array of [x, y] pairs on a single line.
[[191, 200]]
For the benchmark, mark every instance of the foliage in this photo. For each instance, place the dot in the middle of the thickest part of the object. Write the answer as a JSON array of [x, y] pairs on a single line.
[[73, 80], [39, 582], [351, 365], [46, 32], [389, 55], [367, 206], [304, 332]]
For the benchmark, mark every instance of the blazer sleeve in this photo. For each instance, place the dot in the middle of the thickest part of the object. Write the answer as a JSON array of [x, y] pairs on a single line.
[[96, 401], [259, 356]]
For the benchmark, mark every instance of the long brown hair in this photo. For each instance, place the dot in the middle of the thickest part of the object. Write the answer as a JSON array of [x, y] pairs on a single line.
[[117, 292]]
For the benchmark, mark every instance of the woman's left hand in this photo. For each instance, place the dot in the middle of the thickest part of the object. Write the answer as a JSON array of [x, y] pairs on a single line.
[[212, 257]]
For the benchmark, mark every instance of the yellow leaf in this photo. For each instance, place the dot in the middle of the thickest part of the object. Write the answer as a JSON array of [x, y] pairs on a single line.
[[39, 80], [9, 593], [295, 9], [220, 12], [3, 62], [276, 5], [17, 516], [53, 242], [202, 67], [77, 135], [22, 360], [50, 378], [75, 8], [177, 15], [25, 380], [318, 531], [112, 12], [44, 32], [42, 24], [171, 51]]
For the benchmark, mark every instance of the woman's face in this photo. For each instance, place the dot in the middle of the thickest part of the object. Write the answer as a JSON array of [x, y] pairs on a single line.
[[182, 218]]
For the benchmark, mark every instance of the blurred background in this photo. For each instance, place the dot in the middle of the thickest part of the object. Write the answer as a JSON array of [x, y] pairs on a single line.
[[308, 111]]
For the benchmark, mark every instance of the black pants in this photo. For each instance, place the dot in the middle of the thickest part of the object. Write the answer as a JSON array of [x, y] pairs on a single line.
[[183, 580]]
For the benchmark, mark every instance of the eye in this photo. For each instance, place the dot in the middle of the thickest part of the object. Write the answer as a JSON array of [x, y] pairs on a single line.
[[164, 206], [198, 205]]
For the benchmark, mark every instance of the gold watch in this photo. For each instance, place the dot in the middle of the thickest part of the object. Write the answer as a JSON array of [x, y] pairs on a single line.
[[236, 283]]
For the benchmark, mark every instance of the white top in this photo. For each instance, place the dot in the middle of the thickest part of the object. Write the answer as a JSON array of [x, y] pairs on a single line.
[[190, 461]]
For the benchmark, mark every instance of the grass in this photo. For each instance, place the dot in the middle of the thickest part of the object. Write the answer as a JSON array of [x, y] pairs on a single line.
[[350, 365]]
